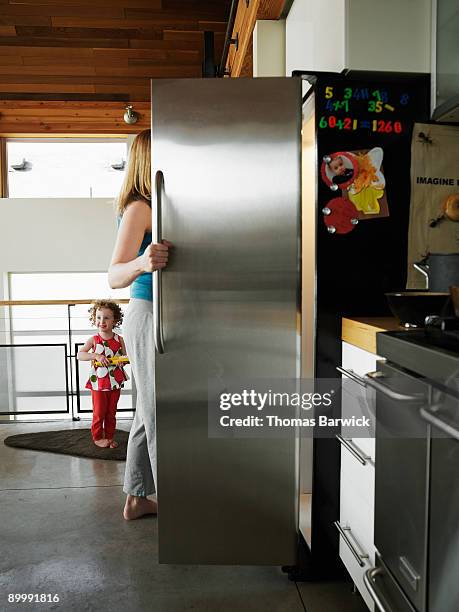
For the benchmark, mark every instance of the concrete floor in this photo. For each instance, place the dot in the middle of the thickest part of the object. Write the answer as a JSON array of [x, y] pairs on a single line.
[[61, 532]]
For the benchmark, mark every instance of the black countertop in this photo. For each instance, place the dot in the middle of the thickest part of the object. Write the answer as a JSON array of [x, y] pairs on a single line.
[[432, 356]]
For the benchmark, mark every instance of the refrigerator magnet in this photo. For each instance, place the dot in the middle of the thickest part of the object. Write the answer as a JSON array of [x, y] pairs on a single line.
[[368, 191], [340, 216], [338, 170]]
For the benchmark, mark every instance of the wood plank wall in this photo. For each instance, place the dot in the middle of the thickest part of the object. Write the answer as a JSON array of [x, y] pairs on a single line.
[[102, 49], [64, 118]]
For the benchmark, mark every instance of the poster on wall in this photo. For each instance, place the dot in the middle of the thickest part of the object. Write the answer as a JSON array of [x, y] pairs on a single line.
[[434, 206]]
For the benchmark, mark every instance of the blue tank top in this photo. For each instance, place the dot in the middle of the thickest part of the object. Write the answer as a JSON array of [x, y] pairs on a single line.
[[141, 288]]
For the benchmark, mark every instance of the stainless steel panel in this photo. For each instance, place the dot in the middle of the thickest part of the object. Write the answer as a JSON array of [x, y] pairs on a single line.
[[309, 176], [401, 476], [410, 350], [229, 150], [444, 513]]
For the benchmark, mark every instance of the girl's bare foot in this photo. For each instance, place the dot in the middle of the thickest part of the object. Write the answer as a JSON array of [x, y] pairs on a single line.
[[102, 443], [113, 444], [135, 507]]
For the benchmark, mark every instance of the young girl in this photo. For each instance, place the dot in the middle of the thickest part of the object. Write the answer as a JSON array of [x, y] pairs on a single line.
[[105, 380]]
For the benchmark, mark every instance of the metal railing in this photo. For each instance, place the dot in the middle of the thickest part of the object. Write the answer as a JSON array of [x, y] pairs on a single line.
[[40, 375]]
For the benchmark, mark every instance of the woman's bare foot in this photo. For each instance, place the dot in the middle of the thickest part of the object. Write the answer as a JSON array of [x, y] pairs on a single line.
[[113, 443], [103, 443], [135, 507]]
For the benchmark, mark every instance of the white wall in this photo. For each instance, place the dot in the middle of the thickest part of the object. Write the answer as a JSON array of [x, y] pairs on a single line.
[[359, 34], [389, 35], [315, 35], [55, 235], [269, 48]]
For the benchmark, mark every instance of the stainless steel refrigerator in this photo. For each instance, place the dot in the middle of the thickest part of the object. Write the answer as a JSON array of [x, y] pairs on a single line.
[[257, 284], [226, 157]]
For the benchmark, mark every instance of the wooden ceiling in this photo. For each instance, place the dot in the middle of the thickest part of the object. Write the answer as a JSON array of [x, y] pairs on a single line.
[[102, 49]]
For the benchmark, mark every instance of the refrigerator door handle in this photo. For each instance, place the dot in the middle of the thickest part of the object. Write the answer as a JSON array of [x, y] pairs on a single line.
[[157, 276]]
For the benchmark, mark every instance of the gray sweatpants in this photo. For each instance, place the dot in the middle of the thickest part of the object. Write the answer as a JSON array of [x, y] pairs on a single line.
[[140, 474]]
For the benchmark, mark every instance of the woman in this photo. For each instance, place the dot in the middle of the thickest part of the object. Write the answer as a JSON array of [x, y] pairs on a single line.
[[133, 261]]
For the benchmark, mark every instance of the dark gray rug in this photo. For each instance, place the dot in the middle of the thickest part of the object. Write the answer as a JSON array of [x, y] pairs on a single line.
[[77, 442]]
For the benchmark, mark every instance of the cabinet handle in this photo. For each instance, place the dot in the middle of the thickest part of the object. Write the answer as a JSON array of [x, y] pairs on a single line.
[[440, 424], [352, 375], [359, 557], [409, 573], [353, 449], [369, 579]]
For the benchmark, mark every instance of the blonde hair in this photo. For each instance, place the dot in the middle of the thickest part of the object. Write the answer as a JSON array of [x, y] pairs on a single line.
[[137, 182]]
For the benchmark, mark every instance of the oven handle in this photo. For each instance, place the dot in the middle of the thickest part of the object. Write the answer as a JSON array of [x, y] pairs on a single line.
[[359, 557], [440, 424], [369, 579], [370, 380]]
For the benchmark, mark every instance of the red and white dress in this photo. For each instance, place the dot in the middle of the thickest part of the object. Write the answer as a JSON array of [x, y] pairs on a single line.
[[109, 378]]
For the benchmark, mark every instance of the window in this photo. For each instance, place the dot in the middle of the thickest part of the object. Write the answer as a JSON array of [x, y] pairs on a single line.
[[65, 167], [36, 377], [62, 286], [31, 321]]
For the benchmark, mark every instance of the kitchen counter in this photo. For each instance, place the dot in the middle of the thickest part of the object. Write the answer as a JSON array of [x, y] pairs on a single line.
[[361, 332]]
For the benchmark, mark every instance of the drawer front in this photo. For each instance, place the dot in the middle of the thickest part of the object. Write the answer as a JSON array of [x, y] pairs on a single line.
[[401, 482], [354, 358], [356, 399], [361, 476], [367, 446], [358, 514], [356, 572]]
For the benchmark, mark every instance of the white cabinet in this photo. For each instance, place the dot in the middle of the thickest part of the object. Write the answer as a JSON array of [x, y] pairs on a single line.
[[358, 360], [362, 35], [356, 524]]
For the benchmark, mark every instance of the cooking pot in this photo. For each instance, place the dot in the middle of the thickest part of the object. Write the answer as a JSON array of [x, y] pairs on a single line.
[[440, 269]]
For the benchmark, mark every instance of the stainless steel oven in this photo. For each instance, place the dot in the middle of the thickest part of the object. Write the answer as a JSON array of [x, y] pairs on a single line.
[[416, 478], [401, 489], [443, 417]]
